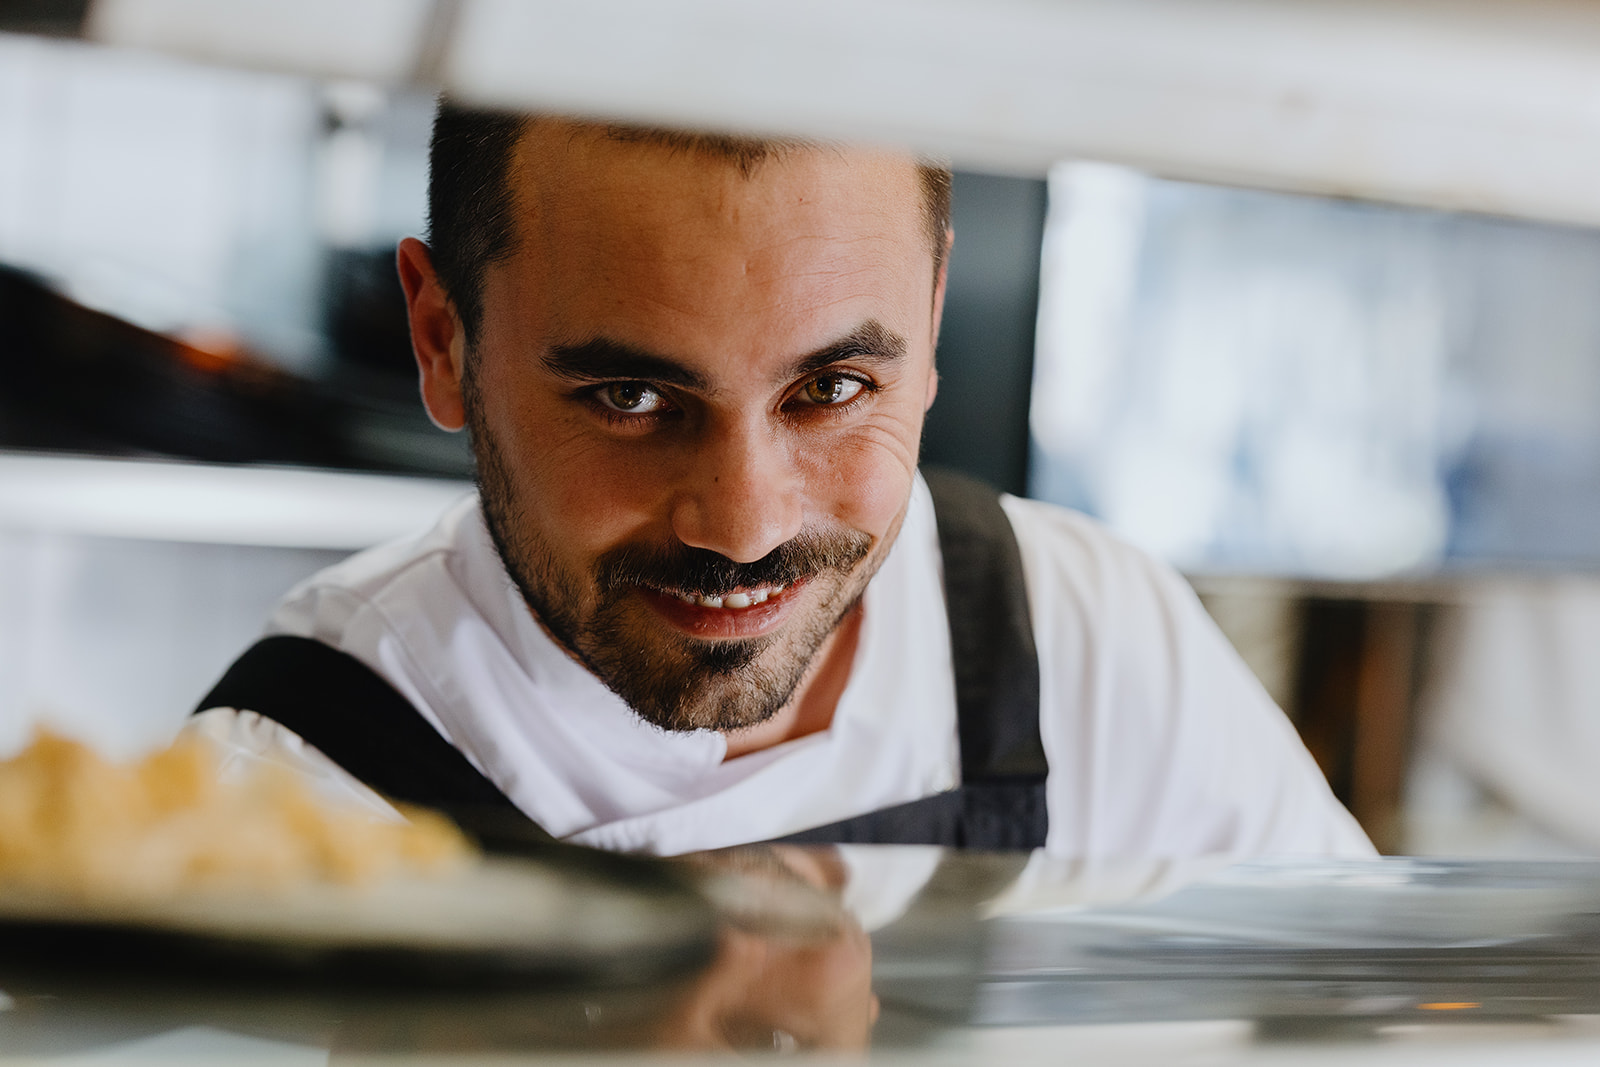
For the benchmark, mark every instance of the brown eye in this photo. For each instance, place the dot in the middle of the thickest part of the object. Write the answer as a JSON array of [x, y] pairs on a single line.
[[632, 398], [831, 389]]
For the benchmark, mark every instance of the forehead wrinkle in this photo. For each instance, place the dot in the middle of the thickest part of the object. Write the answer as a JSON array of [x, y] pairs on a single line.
[[739, 291], [551, 187], [851, 258]]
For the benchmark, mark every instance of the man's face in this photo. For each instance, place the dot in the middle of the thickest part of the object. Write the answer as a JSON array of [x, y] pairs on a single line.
[[696, 399]]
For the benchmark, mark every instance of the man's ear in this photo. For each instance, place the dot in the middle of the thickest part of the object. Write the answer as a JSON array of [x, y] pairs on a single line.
[[437, 338], [939, 285]]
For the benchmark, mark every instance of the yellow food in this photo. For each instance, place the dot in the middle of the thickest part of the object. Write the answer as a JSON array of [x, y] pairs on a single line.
[[73, 822]]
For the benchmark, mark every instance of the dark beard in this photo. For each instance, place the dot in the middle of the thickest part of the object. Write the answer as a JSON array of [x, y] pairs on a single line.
[[674, 682]]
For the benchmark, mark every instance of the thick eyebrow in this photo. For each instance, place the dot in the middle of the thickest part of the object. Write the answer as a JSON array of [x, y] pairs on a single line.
[[870, 343], [602, 359]]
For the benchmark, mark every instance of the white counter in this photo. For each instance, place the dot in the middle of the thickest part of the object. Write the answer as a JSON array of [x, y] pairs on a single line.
[[127, 586], [278, 507]]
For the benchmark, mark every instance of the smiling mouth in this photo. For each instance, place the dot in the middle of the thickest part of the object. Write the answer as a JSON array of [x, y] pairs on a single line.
[[747, 612], [734, 601]]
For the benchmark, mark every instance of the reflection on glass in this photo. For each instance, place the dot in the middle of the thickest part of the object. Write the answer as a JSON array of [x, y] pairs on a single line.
[[988, 940]]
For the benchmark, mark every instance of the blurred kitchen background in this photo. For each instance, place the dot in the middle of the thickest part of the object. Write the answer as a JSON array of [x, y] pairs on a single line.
[[1368, 432]]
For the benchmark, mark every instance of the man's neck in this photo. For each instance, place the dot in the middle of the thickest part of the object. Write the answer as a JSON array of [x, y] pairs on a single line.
[[811, 708]]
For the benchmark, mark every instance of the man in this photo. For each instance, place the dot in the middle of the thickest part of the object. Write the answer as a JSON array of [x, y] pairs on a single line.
[[702, 597]]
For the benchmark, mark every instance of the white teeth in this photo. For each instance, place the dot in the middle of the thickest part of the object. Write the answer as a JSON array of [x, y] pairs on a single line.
[[731, 600]]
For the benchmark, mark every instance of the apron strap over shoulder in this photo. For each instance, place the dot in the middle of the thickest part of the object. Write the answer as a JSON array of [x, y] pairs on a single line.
[[991, 631], [1000, 803], [352, 715]]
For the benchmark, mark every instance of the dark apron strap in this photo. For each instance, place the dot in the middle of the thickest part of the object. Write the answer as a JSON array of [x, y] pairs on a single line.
[[991, 632], [1000, 803], [352, 715], [1001, 815]]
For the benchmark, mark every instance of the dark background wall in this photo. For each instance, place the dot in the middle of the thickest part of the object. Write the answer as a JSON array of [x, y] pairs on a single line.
[[979, 423]]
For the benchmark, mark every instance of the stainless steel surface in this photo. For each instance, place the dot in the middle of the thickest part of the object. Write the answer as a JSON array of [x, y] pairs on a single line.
[[561, 916], [994, 958]]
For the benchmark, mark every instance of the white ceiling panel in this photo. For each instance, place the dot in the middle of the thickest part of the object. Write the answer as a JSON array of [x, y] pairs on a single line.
[[1489, 105], [377, 40]]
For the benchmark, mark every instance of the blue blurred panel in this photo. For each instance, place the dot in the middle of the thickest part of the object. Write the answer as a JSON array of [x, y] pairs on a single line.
[[1251, 381]]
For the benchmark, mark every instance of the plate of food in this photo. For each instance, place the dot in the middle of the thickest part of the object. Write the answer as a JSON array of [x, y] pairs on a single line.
[[162, 867]]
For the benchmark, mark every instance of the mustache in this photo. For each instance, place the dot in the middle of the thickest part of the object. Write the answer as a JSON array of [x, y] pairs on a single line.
[[698, 570]]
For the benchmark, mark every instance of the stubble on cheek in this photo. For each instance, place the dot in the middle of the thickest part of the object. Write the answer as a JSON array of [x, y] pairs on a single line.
[[669, 679]]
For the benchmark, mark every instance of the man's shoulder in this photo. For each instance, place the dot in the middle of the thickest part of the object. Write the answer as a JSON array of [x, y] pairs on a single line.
[[1041, 520], [1148, 708], [1067, 552], [1104, 608]]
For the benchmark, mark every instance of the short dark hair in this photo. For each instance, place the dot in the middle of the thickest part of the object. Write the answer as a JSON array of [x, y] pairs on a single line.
[[471, 208]]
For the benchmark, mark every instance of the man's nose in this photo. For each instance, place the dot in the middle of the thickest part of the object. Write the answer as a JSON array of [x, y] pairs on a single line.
[[742, 496]]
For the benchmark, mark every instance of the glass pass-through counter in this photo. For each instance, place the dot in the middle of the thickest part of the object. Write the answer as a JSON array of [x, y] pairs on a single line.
[[905, 954]]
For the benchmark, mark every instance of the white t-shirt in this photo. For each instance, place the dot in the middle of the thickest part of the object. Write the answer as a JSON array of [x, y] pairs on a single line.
[[1160, 742]]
